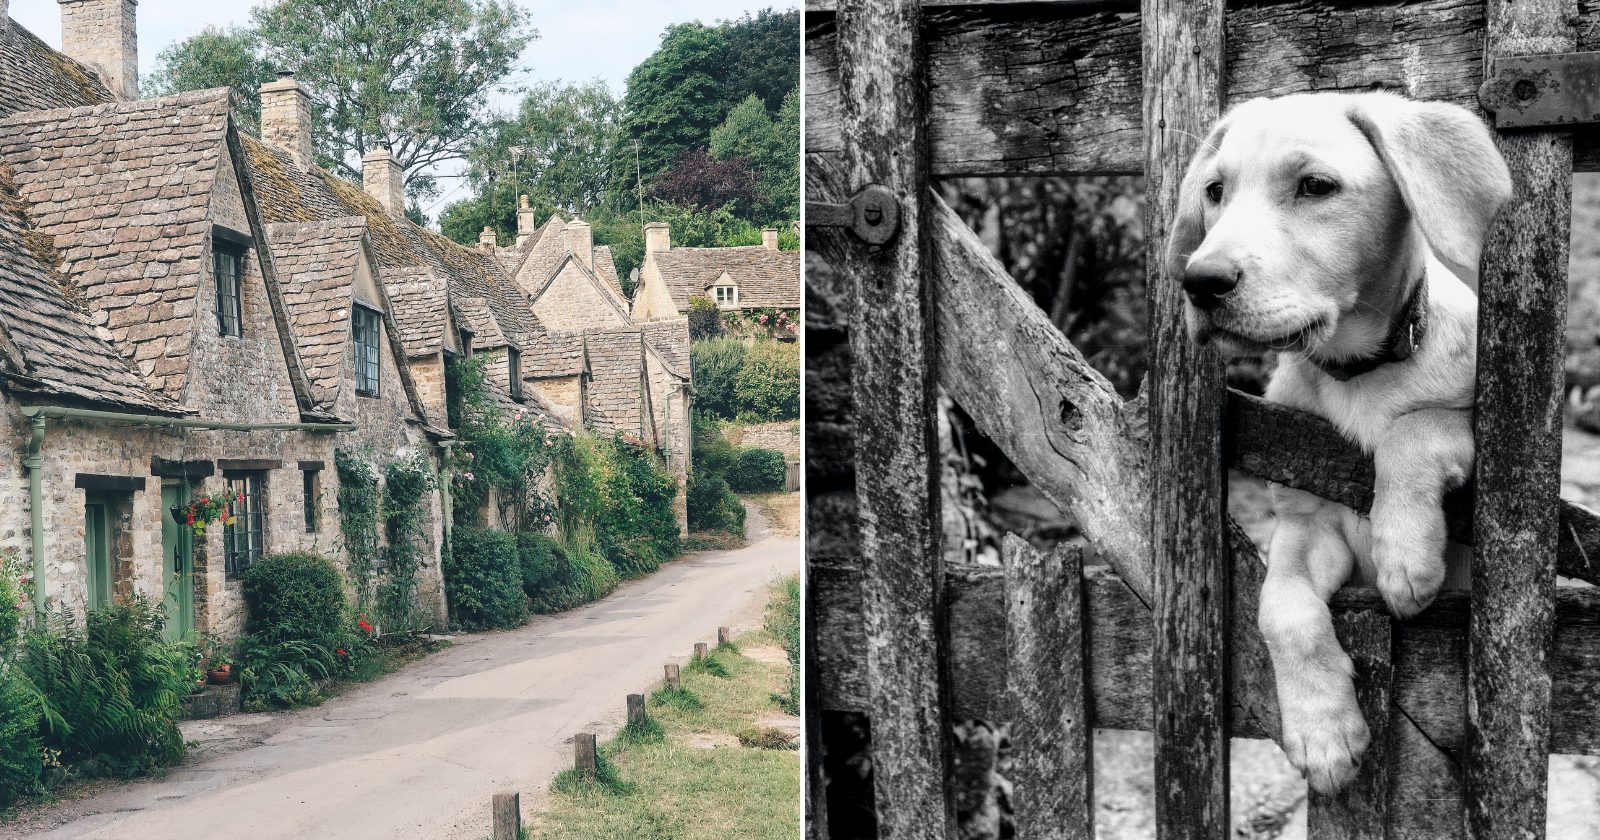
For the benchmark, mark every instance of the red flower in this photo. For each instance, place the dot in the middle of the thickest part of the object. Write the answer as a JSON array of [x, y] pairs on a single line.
[[365, 627], [191, 520], [343, 652]]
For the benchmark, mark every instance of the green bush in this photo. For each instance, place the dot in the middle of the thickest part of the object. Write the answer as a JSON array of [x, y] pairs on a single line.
[[281, 673], [483, 580], [713, 454], [716, 366], [111, 691], [621, 491], [714, 507], [297, 596], [555, 578], [21, 751], [705, 320], [758, 471], [767, 386]]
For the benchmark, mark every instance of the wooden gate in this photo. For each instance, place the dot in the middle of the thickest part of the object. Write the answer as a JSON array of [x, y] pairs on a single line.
[[1465, 702]]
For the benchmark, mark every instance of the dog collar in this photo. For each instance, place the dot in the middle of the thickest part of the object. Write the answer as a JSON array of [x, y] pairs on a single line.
[[1403, 340]]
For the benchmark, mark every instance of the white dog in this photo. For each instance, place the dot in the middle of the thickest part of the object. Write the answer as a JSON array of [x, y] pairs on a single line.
[[1344, 230]]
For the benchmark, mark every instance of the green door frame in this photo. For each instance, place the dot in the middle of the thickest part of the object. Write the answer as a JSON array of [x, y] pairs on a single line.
[[97, 548], [177, 564]]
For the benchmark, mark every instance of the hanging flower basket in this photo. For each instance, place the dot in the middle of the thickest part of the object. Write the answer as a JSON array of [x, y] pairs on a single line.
[[205, 510]]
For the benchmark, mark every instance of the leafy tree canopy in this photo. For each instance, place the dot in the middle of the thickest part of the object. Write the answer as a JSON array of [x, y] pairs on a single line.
[[750, 135], [555, 149], [696, 179], [229, 58]]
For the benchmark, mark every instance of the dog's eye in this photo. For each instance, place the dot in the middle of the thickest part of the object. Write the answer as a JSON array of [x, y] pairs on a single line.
[[1214, 192], [1316, 186]]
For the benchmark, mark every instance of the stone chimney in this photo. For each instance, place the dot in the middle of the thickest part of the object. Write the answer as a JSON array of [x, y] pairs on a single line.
[[380, 177], [769, 238], [580, 241], [488, 240], [657, 237], [526, 224], [104, 35], [286, 118]]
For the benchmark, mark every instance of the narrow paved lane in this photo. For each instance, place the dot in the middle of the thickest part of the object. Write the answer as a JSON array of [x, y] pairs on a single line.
[[418, 753]]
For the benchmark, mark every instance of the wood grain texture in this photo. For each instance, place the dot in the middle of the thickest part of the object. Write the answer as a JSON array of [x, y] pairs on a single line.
[[1522, 309], [1360, 811], [1052, 772], [892, 385], [1036, 88], [1190, 572], [506, 810]]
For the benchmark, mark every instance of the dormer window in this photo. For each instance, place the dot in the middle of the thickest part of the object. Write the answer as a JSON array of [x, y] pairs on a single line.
[[228, 268], [514, 364], [364, 323], [726, 295]]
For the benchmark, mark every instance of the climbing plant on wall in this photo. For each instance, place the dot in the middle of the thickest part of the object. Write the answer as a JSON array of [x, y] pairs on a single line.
[[385, 532], [358, 521], [502, 452]]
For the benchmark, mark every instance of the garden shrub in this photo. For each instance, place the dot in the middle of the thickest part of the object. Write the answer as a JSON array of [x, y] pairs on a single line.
[[783, 623], [556, 578], [713, 506], [758, 470], [716, 365], [21, 751], [297, 596], [483, 580], [111, 692], [621, 491], [767, 386], [705, 320], [713, 454], [281, 673]]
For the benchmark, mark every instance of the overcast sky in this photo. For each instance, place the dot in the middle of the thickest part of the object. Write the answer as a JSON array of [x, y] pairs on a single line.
[[577, 41]]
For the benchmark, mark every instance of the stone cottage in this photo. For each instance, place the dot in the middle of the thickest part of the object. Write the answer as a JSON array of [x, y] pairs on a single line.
[[753, 281]]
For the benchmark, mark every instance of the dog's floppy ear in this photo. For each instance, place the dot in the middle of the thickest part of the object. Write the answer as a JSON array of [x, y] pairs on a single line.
[[1189, 222], [1447, 168]]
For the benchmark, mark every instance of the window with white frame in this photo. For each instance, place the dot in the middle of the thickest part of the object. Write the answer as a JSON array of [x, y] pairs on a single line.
[[726, 295]]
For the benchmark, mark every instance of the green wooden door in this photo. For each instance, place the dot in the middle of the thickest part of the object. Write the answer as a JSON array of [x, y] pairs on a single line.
[[97, 549], [178, 570]]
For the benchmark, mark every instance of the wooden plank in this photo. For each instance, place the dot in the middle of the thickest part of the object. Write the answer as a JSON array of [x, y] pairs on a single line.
[[896, 451], [1054, 88], [1521, 347], [1183, 93], [1360, 811], [1052, 772]]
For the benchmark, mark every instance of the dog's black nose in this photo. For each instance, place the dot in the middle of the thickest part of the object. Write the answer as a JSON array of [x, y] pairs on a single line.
[[1207, 281]]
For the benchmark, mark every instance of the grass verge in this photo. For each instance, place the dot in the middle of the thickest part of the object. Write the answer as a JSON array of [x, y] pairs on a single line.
[[709, 764], [782, 511]]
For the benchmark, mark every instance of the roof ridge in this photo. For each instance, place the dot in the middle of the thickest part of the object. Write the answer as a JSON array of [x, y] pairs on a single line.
[[188, 98]]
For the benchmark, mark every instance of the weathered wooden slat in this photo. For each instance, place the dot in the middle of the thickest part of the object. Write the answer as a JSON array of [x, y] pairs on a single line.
[[1055, 88], [896, 450], [1521, 347], [1052, 772], [1183, 93], [1360, 811]]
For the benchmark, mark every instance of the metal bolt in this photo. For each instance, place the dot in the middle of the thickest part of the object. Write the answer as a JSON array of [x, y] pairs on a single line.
[[873, 213], [1525, 90]]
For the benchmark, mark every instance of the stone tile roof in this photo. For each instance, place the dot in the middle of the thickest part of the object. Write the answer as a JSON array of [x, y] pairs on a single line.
[[606, 266], [316, 264], [34, 77], [554, 354], [670, 340], [287, 193], [48, 345], [473, 314], [122, 191], [766, 278], [420, 302], [544, 255], [616, 359]]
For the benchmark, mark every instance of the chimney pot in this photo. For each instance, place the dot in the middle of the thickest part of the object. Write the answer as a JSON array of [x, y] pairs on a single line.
[[286, 118], [380, 177], [488, 240], [104, 35], [657, 237], [769, 238]]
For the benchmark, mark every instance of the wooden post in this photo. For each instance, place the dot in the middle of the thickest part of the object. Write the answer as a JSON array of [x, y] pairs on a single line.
[[673, 681], [892, 341], [636, 708], [1361, 810], [583, 755], [699, 650], [723, 636], [1522, 309], [507, 809], [1183, 94], [1053, 761]]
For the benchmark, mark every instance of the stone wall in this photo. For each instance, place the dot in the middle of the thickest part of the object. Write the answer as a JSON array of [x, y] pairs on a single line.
[[566, 394], [573, 302], [102, 34], [670, 410], [652, 302], [783, 436], [427, 374]]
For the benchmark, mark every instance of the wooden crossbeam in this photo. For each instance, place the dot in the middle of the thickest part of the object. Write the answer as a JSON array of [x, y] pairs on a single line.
[[1054, 88]]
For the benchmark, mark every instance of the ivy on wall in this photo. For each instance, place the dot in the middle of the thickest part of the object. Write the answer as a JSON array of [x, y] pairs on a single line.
[[385, 531]]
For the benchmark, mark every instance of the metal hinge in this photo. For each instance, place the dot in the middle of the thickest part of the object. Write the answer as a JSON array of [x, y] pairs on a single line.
[[873, 214], [1528, 91]]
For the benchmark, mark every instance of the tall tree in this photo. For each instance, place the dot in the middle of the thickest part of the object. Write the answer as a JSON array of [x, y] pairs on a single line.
[[229, 58], [763, 56], [748, 134], [557, 147], [675, 97]]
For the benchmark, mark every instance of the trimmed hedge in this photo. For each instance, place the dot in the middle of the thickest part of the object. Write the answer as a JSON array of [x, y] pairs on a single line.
[[758, 470], [294, 596], [713, 507], [483, 580]]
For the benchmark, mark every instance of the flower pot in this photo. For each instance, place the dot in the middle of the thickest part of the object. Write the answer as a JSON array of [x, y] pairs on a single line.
[[220, 675]]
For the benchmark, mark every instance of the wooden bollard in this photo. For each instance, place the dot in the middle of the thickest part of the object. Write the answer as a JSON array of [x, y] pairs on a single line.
[[635, 707], [507, 808], [672, 678], [699, 650], [723, 636], [583, 754]]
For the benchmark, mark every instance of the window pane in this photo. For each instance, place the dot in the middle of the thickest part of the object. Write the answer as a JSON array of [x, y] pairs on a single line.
[[309, 479]]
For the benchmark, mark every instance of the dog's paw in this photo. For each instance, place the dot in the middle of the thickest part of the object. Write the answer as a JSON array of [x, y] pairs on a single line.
[[1410, 561], [1325, 740]]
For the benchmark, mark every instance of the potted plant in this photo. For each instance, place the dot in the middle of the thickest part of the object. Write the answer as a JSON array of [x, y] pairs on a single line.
[[219, 667], [204, 510]]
